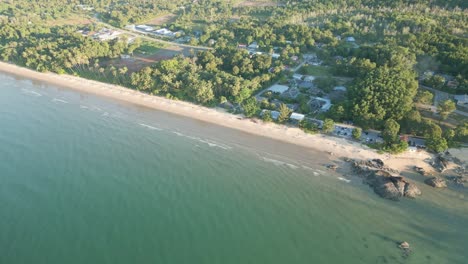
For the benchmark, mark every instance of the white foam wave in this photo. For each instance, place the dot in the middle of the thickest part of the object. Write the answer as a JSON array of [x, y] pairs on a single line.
[[59, 101], [214, 144], [343, 179], [208, 142], [31, 92], [150, 127], [84, 107], [280, 163]]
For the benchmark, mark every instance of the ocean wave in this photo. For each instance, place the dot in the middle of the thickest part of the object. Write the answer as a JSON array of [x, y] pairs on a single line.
[[150, 127], [280, 163], [208, 142], [30, 92], [59, 101], [344, 179]]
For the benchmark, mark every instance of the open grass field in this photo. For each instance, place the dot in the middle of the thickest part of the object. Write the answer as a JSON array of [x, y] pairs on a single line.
[[315, 70], [149, 48], [74, 19]]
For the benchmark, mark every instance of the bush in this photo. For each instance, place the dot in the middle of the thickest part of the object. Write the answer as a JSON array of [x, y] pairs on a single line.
[[328, 125], [357, 132]]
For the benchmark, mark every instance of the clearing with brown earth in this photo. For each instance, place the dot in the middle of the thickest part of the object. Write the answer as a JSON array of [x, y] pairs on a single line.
[[139, 61], [257, 3], [160, 20]]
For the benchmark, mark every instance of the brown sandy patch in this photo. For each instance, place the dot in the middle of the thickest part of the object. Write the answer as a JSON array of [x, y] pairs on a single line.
[[160, 20], [252, 3]]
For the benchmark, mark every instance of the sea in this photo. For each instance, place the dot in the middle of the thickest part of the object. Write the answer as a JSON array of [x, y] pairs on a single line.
[[84, 179]]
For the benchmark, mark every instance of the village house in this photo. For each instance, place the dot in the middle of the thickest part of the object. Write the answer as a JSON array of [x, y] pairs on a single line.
[[144, 28], [253, 45], [164, 32], [297, 117], [462, 100]]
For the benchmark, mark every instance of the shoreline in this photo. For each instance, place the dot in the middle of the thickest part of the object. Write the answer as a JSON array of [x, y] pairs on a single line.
[[333, 147]]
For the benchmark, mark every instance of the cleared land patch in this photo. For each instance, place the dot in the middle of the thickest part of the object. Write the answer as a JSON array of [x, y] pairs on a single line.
[[257, 3], [160, 20]]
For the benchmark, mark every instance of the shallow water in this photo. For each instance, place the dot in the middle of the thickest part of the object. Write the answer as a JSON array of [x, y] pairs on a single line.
[[88, 180]]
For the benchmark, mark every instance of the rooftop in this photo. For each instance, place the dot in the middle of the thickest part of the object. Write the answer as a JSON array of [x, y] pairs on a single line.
[[278, 88], [297, 116]]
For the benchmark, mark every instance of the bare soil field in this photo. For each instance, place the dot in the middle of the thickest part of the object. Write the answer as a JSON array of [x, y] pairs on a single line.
[[254, 3], [139, 61], [160, 20]]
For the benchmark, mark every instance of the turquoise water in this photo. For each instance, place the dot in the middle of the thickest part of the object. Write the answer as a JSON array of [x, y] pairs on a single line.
[[88, 180]]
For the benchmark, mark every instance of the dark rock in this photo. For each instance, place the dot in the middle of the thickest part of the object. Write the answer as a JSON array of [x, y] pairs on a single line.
[[404, 245], [346, 159], [411, 191], [383, 180], [436, 182], [378, 163], [387, 189], [332, 166], [406, 249], [420, 170], [459, 180], [440, 163]]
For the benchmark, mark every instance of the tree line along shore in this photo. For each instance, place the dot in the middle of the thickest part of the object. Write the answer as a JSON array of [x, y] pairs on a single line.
[[367, 61]]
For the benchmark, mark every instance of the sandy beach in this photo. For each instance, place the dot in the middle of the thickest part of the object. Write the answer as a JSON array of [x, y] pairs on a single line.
[[334, 147]]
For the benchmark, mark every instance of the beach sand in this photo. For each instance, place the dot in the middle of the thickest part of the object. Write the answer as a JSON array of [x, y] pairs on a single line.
[[332, 146]]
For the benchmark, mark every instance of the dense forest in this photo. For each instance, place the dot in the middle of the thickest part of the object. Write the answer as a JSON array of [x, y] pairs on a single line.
[[398, 42]]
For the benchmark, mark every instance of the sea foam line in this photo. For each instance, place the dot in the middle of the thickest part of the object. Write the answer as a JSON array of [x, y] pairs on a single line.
[[208, 142], [343, 179], [150, 127], [280, 163], [59, 100], [26, 91]]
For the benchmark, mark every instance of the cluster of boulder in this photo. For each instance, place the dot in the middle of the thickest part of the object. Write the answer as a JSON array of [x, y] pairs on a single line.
[[436, 182], [385, 181], [421, 171], [445, 163], [440, 163]]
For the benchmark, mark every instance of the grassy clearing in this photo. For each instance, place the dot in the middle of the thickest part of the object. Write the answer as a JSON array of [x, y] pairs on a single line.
[[315, 70], [149, 48], [73, 19]]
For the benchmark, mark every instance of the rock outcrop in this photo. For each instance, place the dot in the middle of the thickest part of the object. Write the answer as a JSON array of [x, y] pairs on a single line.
[[385, 181], [458, 180], [436, 182], [421, 170], [440, 163]]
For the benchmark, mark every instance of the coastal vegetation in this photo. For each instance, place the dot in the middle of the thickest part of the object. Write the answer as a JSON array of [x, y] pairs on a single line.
[[382, 51]]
